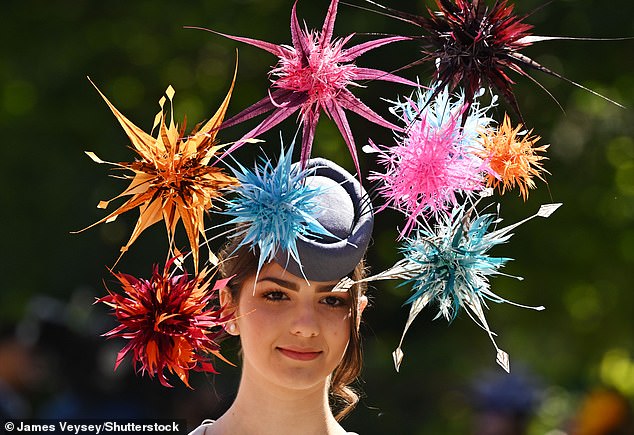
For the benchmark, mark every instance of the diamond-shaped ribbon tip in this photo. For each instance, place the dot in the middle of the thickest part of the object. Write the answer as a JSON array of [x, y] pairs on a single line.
[[170, 92], [502, 358], [162, 102], [547, 209], [397, 355], [369, 149], [157, 118], [213, 259], [103, 204], [94, 157]]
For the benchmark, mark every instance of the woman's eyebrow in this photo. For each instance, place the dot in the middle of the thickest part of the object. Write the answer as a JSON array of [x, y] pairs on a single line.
[[326, 288], [293, 286], [281, 282]]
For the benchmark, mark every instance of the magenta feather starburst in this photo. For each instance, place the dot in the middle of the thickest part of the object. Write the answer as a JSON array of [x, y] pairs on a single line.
[[314, 75]]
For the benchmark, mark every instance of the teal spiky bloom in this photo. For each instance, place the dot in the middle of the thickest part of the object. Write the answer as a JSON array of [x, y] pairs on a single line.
[[449, 264], [274, 207], [452, 261]]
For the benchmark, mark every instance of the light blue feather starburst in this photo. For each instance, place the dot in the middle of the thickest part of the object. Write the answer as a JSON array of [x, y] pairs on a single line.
[[273, 207]]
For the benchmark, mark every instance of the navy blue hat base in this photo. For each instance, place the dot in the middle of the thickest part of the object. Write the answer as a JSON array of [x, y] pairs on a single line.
[[346, 212]]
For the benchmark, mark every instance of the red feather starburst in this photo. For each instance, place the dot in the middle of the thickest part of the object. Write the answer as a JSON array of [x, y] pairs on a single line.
[[311, 76], [474, 45], [169, 320]]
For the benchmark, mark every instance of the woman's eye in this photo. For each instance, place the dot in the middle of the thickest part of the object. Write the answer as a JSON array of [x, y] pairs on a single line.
[[275, 295], [334, 301]]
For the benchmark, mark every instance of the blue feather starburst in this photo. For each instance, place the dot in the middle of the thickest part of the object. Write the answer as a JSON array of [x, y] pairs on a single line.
[[274, 207]]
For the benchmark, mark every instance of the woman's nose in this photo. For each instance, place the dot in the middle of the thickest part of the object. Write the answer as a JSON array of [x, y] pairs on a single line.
[[305, 322]]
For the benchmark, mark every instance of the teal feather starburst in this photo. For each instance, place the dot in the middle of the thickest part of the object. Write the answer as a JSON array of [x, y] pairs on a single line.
[[453, 262], [449, 264]]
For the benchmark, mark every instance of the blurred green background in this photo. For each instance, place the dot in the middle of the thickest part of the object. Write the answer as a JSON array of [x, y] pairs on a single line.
[[579, 263]]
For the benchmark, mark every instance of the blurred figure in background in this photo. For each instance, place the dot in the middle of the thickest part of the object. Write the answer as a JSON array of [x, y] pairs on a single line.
[[80, 381], [504, 404], [19, 374], [54, 365]]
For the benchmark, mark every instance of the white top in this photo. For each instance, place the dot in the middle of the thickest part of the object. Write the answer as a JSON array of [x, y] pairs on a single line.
[[200, 430]]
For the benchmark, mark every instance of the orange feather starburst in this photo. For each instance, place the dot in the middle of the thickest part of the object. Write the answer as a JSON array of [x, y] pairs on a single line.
[[513, 157], [170, 321], [172, 179]]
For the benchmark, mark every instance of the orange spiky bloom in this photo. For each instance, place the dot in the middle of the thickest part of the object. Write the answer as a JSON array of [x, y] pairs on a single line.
[[168, 322], [172, 179], [513, 157]]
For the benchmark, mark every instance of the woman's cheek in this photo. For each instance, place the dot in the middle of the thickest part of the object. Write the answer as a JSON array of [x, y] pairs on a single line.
[[264, 315], [339, 315], [338, 323]]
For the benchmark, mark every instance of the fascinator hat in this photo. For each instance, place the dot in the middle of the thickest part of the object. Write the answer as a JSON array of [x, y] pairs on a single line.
[[314, 220], [344, 210]]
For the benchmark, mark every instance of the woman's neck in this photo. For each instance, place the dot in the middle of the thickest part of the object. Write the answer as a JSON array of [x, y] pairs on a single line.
[[264, 408]]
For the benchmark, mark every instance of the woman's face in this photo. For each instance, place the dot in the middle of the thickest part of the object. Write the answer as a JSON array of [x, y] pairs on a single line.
[[293, 334]]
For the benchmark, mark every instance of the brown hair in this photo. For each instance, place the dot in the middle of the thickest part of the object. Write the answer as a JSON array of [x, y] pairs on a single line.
[[241, 263]]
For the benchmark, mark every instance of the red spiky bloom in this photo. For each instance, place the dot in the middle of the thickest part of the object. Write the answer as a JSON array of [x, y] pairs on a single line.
[[314, 75], [169, 320], [474, 46]]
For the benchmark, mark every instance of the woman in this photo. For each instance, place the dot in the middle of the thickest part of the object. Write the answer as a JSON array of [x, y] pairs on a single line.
[[299, 336]]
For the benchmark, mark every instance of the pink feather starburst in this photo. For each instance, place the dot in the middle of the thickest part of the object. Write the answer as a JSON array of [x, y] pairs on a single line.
[[311, 76], [434, 161]]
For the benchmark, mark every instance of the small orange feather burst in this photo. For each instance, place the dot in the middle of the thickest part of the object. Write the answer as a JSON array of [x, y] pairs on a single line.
[[170, 320], [172, 179], [513, 157]]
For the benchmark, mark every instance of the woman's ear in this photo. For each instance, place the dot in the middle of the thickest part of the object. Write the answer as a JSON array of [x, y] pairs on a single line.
[[226, 301], [363, 302], [229, 308]]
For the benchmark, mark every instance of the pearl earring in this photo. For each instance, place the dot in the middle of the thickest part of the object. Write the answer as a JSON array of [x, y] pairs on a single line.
[[231, 328]]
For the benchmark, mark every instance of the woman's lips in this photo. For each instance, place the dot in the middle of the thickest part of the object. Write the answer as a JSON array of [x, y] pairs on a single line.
[[300, 355]]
